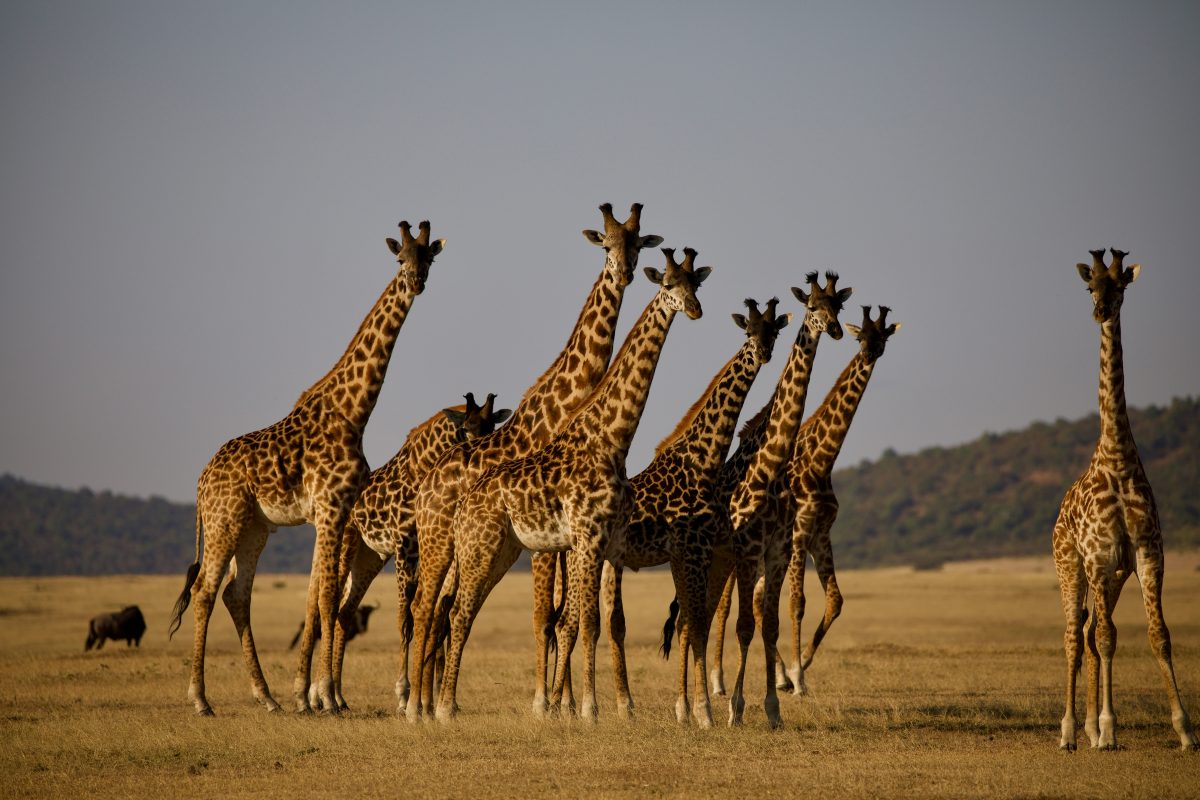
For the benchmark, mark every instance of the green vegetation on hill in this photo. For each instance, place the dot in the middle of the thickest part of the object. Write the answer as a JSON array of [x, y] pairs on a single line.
[[995, 496]]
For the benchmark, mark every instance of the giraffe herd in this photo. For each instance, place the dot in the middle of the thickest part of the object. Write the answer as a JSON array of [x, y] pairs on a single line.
[[472, 487]]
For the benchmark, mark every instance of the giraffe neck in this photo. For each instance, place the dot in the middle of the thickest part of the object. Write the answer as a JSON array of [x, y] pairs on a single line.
[[779, 432], [1116, 446], [611, 416], [822, 435], [708, 429], [570, 380], [352, 386]]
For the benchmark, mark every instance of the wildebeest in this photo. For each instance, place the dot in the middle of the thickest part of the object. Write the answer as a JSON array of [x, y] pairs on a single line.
[[361, 615], [127, 624]]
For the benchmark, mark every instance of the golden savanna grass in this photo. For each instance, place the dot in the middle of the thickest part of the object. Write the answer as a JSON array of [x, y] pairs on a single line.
[[932, 684]]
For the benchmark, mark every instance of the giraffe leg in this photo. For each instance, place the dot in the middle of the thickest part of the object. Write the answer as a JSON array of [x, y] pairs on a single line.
[[480, 568], [691, 588], [1091, 723], [747, 580], [566, 633], [330, 522], [1150, 574], [236, 597], [406, 590], [1073, 588], [436, 557], [360, 566], [792, 677], [822, 552], [590, 549], [722, 579], [611, 594], [218, 550], [775, 567], [544, 568], [1106, 645]]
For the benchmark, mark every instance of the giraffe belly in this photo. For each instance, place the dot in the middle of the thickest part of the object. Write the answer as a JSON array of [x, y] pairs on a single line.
[[542, 538]]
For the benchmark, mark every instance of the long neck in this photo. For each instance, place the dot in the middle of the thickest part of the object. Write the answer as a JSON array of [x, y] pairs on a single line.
[[821, 436], [574, 375], [353, 385], [708, 429], [1116, 437], [611, 416], [787, 408], [426, 443]]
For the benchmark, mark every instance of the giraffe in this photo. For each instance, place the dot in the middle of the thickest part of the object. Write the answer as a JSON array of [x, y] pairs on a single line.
[[545, 407], [679, 516], [308, 467], [753, 480], [1107, 527], [571, 494], [384, 509], [814, 504]]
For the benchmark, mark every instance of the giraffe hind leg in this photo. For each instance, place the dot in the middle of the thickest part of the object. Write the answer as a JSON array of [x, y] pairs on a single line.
[[236, 597], [1150, 572]]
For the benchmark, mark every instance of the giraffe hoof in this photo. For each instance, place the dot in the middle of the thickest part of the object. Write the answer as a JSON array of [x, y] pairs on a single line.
[[1067, 747], [205, 712]]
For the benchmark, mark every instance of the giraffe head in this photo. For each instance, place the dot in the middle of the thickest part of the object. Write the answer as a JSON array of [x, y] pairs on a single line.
[[678, 284], [1106, 284], [873, 335], [762, 328], [622, 241], [415, 254], [475, 421], [822, 305]]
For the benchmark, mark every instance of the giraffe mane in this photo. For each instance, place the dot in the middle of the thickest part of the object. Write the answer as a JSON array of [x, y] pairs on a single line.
[[692, 412], [752, 425]]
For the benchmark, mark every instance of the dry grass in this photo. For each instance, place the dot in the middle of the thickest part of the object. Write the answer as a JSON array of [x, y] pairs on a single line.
[[932, 684]]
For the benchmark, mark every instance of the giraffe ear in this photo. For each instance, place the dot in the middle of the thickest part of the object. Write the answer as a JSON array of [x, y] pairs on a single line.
[[1131, 274], [739, 320], [800, 295], [844, 294], [454, 415], [649, 241], [394, 246], [437, 247], [595, 237], [501, 415], [893, 328], [699, 276], [654, 275], [1085, 272], [854, 329], [782, 322]]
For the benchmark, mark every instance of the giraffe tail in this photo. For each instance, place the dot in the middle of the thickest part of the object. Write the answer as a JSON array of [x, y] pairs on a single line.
[[669, 629], [185, 596], [557, 612]]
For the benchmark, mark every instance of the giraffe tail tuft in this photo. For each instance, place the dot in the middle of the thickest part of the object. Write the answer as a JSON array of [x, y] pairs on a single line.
[[185, 596], [669, 629]]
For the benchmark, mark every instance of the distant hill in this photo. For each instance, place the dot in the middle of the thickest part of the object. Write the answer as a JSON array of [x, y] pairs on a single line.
[[995, 496]]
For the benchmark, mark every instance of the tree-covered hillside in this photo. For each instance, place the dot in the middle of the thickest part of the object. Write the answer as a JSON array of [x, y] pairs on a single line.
[[995, 496]]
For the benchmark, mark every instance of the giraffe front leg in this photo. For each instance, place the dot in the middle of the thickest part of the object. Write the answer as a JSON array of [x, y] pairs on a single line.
[[1072, 588], [544, 568], [747, 579], [588, 568], [360, 565], [792, 678], [237, 595], [822, 553], [775, 567], [721, 579], [1106, 645], [406, 590], [611, 593], [1150, 572]]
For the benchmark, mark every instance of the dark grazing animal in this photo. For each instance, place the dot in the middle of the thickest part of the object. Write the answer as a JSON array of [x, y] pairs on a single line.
[[127, 624], [359, 625]]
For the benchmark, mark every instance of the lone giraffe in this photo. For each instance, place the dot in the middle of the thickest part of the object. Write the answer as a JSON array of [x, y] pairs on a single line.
[[679, 513], [383, 513], [814, 505], [571, 494], [753, 478], [1107, 527], [545, 408], [308, 467]]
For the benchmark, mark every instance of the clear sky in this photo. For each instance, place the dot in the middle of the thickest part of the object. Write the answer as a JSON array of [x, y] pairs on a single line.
[[195, 198]]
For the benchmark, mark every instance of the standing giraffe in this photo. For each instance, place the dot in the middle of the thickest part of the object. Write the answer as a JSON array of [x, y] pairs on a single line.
[[308, 467], [571, 494], [544, 409], [814, 503], [1107, 527], [679, 515], [759, 494], [384, 510]]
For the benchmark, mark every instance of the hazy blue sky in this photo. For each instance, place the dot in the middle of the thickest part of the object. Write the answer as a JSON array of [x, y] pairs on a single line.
[[195, 198]]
